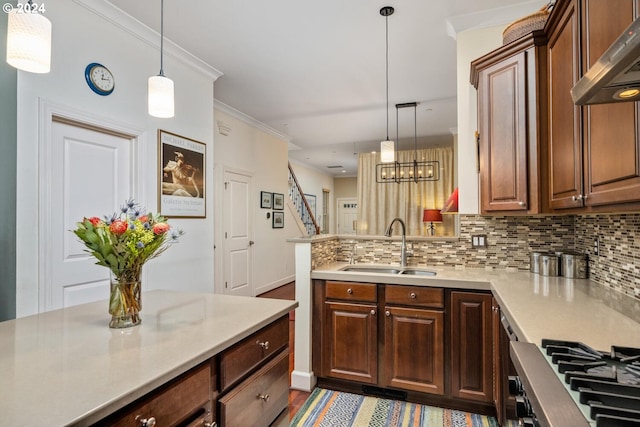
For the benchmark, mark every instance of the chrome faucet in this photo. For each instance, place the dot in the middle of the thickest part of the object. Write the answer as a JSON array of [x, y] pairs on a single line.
[[352, 257], [403, 246]]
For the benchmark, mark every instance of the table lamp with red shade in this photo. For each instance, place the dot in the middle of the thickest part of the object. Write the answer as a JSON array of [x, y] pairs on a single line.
[[431, 216]]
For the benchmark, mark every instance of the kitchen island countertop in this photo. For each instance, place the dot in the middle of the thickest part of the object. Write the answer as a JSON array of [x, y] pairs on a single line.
[[67, 367], [536, 306]]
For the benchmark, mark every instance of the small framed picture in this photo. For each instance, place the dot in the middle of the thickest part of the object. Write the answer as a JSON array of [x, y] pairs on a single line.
[[278, 220], [265, 200], [278, 201]]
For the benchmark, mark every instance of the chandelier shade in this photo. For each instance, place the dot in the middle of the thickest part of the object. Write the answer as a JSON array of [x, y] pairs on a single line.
[[28, 41]]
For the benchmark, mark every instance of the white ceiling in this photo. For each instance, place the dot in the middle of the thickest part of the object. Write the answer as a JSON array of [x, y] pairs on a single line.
[[316, 71]]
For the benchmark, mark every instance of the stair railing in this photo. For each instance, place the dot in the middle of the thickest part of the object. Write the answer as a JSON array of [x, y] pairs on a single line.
[[302, 205]]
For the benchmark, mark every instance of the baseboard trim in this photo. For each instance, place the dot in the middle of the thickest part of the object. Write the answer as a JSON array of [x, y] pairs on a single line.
[[303, 381]]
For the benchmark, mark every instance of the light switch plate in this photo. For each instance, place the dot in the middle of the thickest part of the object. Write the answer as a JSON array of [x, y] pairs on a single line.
[[479, 241]]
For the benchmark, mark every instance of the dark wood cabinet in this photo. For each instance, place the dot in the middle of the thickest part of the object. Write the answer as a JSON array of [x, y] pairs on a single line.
[[611, 134], [253, 378], [432, 345], [511, 125], [471, 344], [594, 151], [414, 339], [351, 344], [350, 332]]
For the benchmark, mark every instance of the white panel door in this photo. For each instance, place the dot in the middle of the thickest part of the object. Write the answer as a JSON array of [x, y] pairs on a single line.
[[238, 235], [90, 176], [347, 216]]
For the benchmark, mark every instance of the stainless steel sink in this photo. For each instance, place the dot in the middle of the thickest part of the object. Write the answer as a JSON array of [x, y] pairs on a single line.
[[388, 270], [372, 269], [416, 272]]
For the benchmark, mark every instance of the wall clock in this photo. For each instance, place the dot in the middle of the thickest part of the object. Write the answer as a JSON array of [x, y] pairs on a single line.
[[99, 79]]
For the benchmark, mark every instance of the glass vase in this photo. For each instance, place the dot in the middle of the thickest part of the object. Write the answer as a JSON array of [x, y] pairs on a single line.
[[125, 300]]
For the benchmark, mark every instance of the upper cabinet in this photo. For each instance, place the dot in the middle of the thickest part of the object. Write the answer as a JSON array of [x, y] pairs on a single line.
[[538, 151], [594, 151], [511, 125]]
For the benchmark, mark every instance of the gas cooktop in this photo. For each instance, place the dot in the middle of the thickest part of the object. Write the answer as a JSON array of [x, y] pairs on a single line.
[[607, 383]]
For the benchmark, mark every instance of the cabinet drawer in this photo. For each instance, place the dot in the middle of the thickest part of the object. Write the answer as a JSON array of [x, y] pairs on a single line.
[[186, 399], [349, 291], [241, 358], [414, 296], [259, 399]]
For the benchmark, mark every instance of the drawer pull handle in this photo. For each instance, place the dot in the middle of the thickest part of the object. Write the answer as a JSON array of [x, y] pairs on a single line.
[[349, 291], [264, 345], [413, 295], [146, 422], [373, 312], [387, 313], [264, 397]]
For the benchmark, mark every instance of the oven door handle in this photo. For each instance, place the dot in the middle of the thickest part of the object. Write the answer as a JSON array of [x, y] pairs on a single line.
[[507, 327]]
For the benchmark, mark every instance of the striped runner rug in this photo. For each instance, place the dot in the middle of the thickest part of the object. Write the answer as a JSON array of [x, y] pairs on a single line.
[[327, 408]]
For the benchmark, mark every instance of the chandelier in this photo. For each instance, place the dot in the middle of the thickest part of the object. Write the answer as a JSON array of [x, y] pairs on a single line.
[[415, 171]]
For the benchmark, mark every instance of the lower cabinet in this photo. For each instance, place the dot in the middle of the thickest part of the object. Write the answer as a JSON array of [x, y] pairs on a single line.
[[432, 343], [414, 339], [471, 320], [350, 331], [245, 385]]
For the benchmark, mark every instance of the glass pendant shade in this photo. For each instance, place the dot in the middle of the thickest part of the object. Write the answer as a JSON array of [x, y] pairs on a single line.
[[387, 152], [161, 97], [29, 42]]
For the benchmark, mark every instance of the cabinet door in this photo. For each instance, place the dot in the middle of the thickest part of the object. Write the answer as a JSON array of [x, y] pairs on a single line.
[[565, 140], [503, 135], [471, 346], [414, 349], [611, 140], [350, 347]]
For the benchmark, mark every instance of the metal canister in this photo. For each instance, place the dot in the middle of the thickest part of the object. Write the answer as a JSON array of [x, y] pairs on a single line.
[[575, 265], [549, 264], [534, 263]]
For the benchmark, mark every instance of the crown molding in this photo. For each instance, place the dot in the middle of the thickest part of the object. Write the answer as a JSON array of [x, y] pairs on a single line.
[[116, 16], [227, 109]]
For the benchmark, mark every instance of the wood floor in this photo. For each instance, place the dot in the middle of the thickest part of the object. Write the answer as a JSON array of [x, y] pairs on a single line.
[[296, 397]]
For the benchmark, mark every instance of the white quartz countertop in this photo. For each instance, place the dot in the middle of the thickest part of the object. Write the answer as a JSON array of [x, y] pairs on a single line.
[[536, 306], [67, 367]]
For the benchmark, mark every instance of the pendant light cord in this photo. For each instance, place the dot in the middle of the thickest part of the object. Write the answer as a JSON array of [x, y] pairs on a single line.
[[161, 37], [386, 19]]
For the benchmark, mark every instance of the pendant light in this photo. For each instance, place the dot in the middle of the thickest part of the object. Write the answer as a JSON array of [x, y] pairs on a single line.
[[161, 87], [387, 147], [29, 38]]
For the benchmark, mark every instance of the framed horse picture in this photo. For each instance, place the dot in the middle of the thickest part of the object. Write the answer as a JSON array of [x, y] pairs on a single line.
[[181, 181]]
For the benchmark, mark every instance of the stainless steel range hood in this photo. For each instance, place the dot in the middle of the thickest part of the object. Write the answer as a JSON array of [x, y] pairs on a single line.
[[617, 70]]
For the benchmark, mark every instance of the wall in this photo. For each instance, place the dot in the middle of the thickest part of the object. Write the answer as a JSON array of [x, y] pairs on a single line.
[[313, 182], [510, 240], [81, 35], [252, 148], [470, 45], [8, 91]]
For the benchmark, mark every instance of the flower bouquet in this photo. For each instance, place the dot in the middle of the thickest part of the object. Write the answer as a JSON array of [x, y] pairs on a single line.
[[123, 242]]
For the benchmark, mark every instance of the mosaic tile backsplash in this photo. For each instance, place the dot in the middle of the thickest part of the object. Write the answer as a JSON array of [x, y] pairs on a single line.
[[510, 240]]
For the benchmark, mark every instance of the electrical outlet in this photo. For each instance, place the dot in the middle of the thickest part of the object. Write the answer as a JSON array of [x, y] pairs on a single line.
[[596, 247], [479, 241]]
